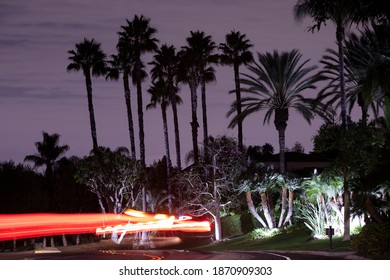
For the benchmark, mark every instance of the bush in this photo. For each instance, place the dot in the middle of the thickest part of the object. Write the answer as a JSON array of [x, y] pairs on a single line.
[[373, 240], [248, 222], [231, 226]]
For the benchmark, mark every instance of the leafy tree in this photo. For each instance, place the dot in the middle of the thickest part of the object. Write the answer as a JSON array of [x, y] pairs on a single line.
[[88, 57], [114, 177], [21, 190], [198, 194], [297, 148], [236, 52]]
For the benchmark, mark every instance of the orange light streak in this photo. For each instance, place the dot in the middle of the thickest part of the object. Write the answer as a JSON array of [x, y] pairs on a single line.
[[18, 226]]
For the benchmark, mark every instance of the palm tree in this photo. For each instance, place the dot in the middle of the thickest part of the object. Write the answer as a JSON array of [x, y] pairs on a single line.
[[165, 67], [195, 69], [48, 154], [122, 63], [342, 13], [160, 95], [361, 52], [138, 36], [89, 58], [275, 84], [236, 52]]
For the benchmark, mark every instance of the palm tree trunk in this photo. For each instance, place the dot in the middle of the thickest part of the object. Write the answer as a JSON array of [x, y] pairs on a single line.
[[283, 206], [88, 83], [141, 131], [252, 209], [238, 105], [204, 114], [141, 123], [282, 149], [343, 103], [290, 207], [266, 210], [177, 134], [129, 113], [167, 155], [194, 121]]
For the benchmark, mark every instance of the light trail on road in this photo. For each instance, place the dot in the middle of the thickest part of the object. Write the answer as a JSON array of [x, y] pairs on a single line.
[[19, 226]]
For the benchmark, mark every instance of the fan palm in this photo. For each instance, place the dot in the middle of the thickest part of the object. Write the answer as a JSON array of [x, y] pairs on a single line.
[[49, 151], [195, 70], [88, 57], [360, 55], [342, 13], [138, 36], [236, 52], [122, 63], [165, 67], [161, 95]]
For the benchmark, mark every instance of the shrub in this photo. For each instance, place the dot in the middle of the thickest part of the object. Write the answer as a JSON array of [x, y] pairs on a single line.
[[248, 222], [231, 226], [373, 240]]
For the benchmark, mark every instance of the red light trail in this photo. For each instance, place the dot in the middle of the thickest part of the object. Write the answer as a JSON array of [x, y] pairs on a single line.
[[19, 226]]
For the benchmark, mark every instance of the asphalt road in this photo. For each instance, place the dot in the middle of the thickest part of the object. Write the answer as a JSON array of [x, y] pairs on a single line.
[[113, 254]]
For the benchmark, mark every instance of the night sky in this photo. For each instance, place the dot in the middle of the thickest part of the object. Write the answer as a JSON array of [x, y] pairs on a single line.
[[37, 94]]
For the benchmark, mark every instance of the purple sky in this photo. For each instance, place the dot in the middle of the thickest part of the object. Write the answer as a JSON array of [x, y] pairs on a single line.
[[37, 94]]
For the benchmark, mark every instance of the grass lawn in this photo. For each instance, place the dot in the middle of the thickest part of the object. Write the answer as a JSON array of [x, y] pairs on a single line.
[[297, 240]]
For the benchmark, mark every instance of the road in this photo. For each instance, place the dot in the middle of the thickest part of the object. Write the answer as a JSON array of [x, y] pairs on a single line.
[[113, 254]]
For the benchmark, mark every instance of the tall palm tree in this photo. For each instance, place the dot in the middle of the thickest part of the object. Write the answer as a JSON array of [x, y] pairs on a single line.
[[88, 57], [122, 63], [165, 67], [195, 60], [342, 13], [275, 84], [361, 52], [236, 52], [138, 36], [160, 95]]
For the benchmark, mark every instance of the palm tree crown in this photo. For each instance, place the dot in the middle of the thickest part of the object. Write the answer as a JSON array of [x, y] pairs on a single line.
[[89, 58], [48, 153], [275, 84], [236, 52]]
